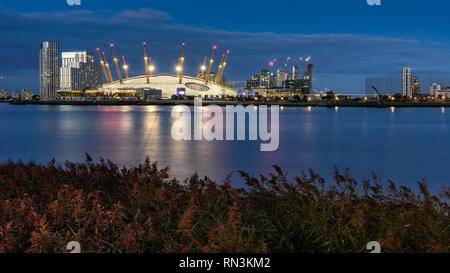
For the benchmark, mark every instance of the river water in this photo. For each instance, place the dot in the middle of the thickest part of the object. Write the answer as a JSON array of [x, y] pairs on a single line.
[[401, 144]]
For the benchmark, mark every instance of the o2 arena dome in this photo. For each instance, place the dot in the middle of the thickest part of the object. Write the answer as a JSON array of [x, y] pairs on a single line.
[[165, 84], [170, 85]]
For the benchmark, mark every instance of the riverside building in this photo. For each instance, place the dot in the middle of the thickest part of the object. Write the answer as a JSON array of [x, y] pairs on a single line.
[[48, 70]]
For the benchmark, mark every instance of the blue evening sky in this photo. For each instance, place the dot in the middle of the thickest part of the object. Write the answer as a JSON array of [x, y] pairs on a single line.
[[347, 39]]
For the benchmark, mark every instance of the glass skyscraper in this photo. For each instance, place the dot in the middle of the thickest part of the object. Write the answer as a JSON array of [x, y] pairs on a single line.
[[48, 70]]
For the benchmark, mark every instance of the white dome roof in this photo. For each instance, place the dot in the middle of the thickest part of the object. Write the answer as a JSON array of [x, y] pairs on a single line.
[[169, 85]]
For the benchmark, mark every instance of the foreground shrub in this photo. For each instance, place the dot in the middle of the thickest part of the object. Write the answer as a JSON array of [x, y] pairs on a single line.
[[139, 209]]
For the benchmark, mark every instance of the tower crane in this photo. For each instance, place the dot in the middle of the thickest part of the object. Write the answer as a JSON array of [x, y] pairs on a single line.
[[377, 92], [125, 67], [117, 64], [107, 67], [381, 98], [211, 61], [307, 60], [180, 72], [285, 66], [103, 66]]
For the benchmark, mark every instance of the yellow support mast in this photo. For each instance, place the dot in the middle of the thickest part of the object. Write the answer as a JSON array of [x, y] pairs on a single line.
[[117, 64], [125, 67], [146, 61], [181, 63], [107, 67], [211, 61], [224, 65], [220, 68], [203, 68], [103, 65], [151, 67]]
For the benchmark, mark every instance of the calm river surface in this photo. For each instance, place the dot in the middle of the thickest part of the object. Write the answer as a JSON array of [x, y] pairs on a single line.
[[402, 144]]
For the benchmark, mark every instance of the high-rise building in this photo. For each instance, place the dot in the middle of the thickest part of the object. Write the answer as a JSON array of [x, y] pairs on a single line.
[[407, 83], [3, 94], [415, 86], [264, 78], [79, 72], [295, 73], [253, 83], [278, 79], [48, 69], [307, 80], [434, 89]]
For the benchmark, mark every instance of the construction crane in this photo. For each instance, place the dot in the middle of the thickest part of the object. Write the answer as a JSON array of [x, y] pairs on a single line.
[[203, 68], [117, 64], [146, 61], [307, 60], [107, 67], [224, 65], [181, 63], [211, 61], [381, 98], [286, 65], [125, 67], [220, 68], [378, 93], [103, 66]]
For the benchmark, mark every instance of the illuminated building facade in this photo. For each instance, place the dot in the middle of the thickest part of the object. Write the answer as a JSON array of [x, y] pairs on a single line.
[[78, 71], [48, 70], [407, 82]]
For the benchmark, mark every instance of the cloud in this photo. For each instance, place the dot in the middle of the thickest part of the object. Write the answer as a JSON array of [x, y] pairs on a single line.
[[347, 57], [144, 14]]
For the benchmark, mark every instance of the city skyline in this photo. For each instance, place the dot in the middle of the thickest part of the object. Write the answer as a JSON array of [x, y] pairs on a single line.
[[344, 54]]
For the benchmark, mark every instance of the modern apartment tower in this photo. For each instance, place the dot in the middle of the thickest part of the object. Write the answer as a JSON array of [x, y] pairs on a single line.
[[435, 89], [407, 82], [48, 69], [295, 73], [78, 71], [307, 81], [415, 86], [264, 78], [279, 79]]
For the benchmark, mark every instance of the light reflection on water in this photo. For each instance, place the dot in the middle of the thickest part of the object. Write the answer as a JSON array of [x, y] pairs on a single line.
[[402, 144]]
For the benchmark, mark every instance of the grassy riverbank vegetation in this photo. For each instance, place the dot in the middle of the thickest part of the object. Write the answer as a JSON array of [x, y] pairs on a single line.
[[140, 209]]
